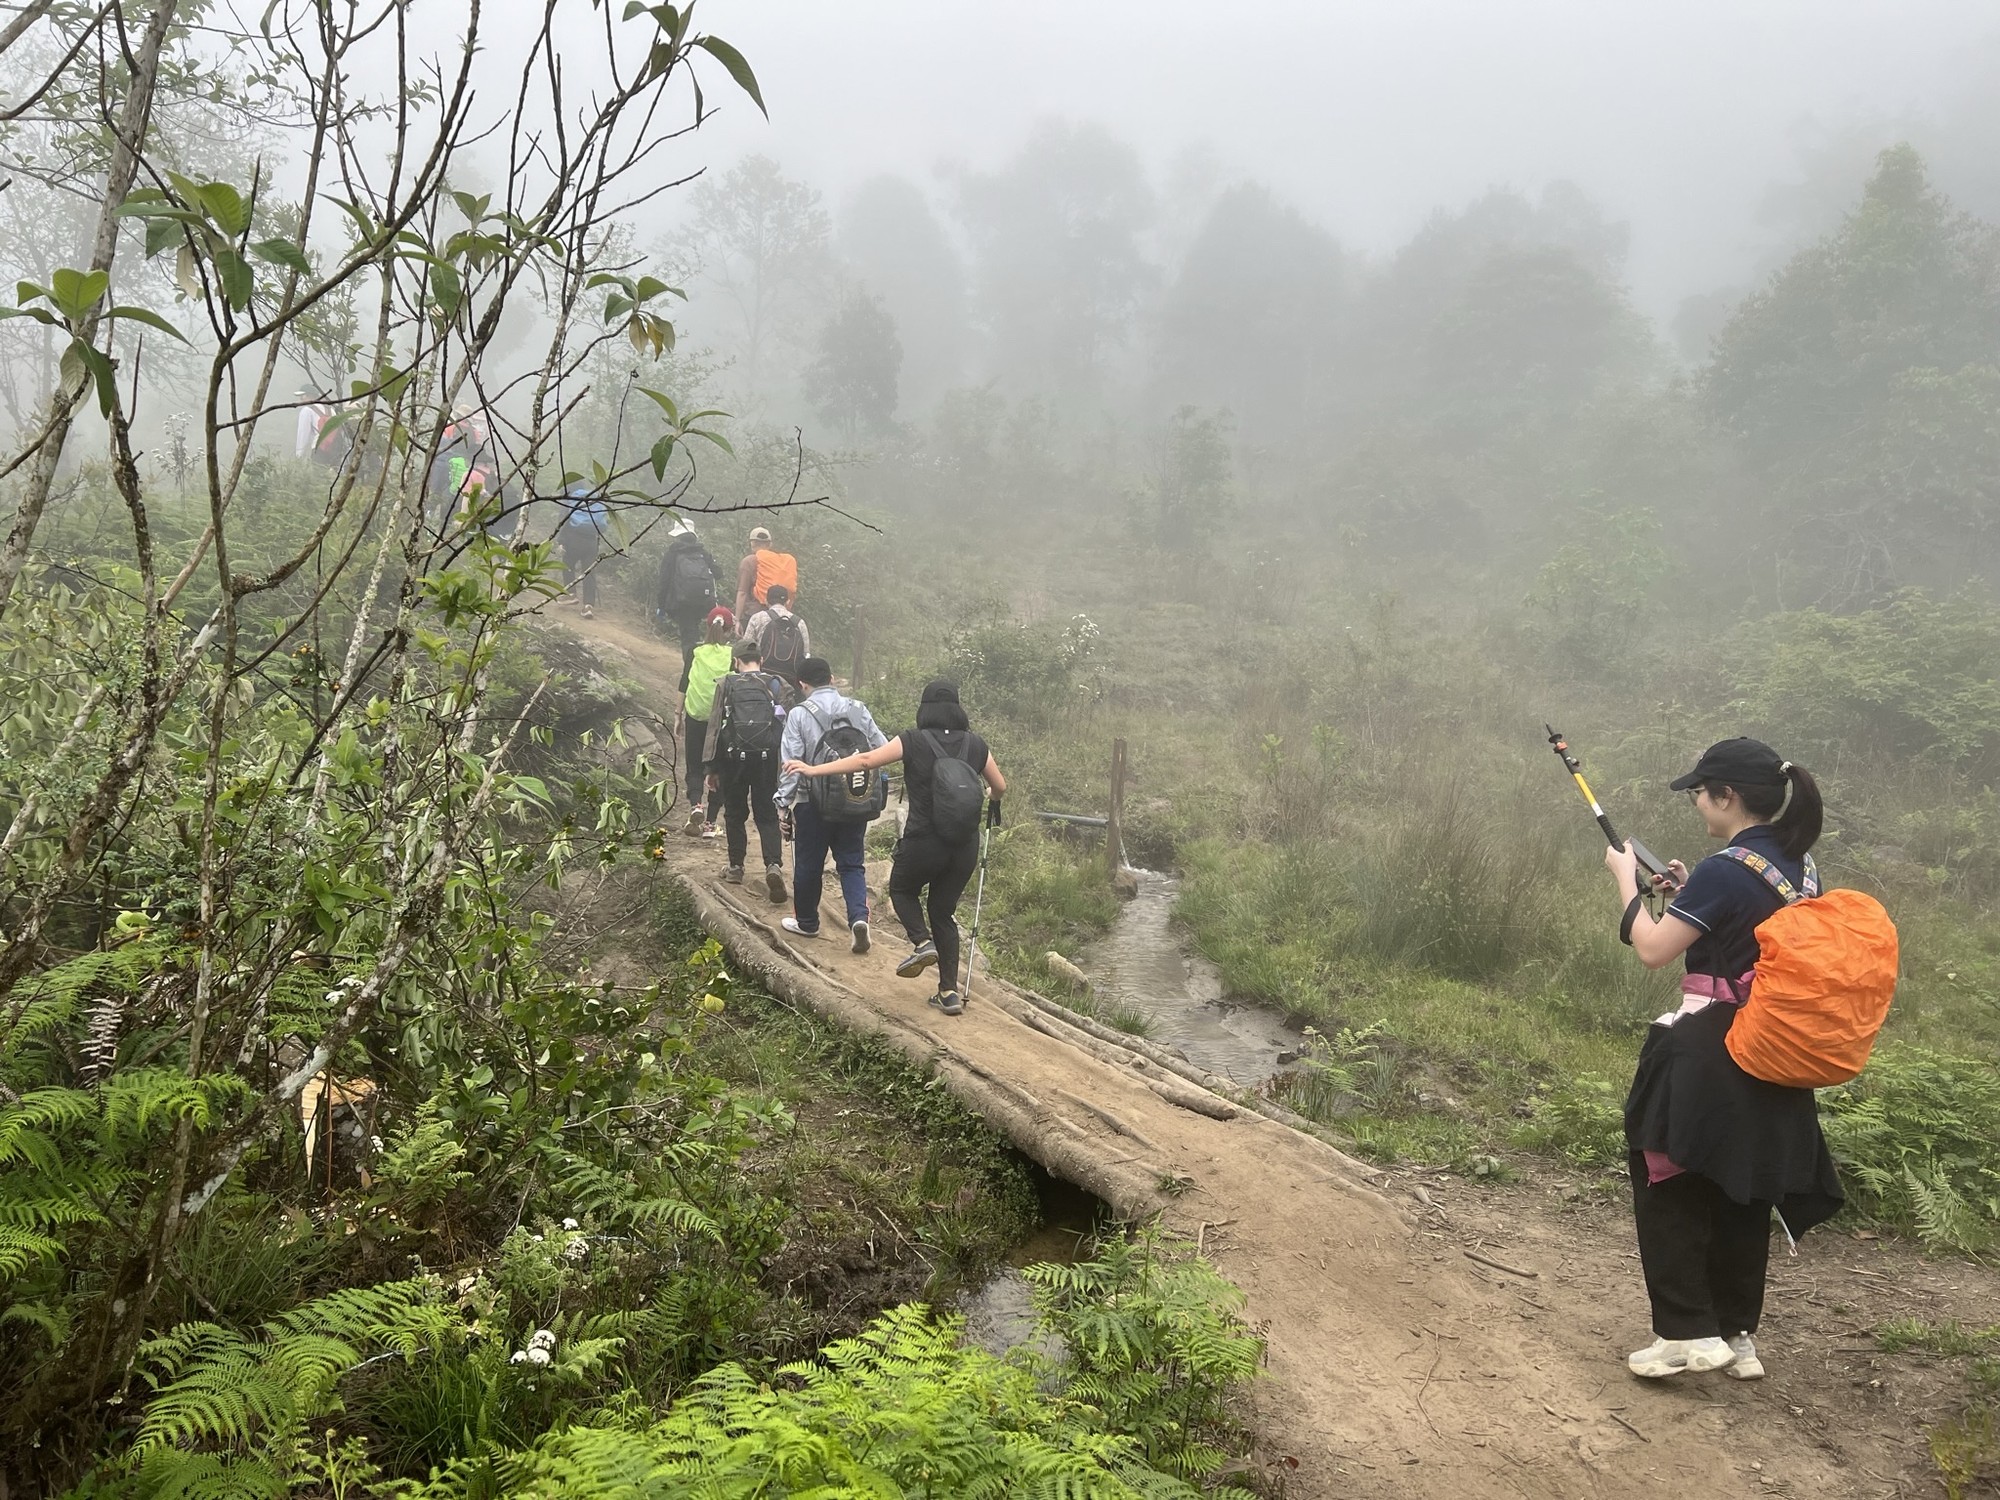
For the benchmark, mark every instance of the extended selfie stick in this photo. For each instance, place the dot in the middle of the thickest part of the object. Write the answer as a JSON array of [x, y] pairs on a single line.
[[1651, 863]]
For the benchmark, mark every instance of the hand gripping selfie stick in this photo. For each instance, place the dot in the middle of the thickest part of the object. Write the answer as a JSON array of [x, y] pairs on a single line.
[[1651, 863], [979, 900]]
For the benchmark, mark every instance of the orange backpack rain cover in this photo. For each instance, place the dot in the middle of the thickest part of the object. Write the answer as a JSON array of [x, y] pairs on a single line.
[[1826, 971]]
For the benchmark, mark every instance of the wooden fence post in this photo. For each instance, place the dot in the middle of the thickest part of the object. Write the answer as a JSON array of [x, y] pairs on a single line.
[[1114, 828], [860, 650]]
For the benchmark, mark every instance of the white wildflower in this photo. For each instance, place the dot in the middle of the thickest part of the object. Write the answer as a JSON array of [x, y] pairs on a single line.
[[538, 1356], [542, 1339], [576, 1249], [520, 1357], [569, 1223]]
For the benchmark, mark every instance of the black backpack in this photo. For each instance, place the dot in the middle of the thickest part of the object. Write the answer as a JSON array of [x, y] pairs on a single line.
[[784, 646], [753, 708], [687, 581], [958, 795], [859, 796]]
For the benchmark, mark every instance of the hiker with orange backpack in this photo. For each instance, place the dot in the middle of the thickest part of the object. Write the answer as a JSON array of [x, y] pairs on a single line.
[[1721, 1124], [762, 566]]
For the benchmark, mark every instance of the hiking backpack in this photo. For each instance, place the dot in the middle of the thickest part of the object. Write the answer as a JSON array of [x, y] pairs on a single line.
[[958, 796], [784, 646], [1826, 972], [857, 797], [753, 709], [687, 581]]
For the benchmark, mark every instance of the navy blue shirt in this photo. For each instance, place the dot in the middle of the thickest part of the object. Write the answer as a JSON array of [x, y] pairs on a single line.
[[1727, 900]]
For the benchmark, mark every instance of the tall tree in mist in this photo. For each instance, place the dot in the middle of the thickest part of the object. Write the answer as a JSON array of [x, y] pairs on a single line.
[[1864, 387], [762, 246], [894, 245], [1057, 259], [1506, 311], [851, 381], [1252, 320]]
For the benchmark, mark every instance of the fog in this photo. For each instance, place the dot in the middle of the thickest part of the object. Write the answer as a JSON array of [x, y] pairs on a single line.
[[1679, 119]]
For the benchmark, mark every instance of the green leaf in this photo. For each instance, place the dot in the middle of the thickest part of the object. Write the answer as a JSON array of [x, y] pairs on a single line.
[[225, 205], [102, 373], [26, 292], [739, 69], [282, 253], [39, 314], [446, 290], [473, 208], [665, 403], [150, 318], [75, 293], [233, 271], [160, 234], [615, 307], [663, 454]]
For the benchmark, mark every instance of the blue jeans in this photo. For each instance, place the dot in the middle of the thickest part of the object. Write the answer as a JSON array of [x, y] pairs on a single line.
[[812, 838]]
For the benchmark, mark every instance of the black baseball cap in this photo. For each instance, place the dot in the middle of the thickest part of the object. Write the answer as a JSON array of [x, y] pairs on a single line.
[[1738, 762]]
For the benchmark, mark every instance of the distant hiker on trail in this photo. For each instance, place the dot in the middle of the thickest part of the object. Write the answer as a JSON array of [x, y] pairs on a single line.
[[1714, 1150], [686, 591], [706, 666], [745, 734], [833, 814], [943, 765], [760, 568], [782, 634], [581, 539], [311, 437]]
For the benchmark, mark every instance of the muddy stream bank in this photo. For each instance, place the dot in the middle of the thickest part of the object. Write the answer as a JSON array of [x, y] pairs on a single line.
[[1141, 968]]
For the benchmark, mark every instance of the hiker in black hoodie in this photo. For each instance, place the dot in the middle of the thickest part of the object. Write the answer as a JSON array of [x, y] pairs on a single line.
[[934, 862]]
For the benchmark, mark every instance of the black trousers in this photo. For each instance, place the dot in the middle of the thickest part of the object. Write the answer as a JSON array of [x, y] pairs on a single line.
[[1704, 1255], [693, 733], [946, 869], [747, 790]]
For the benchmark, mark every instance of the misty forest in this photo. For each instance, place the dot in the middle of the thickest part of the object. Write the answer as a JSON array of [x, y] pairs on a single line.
[[398, 1095]]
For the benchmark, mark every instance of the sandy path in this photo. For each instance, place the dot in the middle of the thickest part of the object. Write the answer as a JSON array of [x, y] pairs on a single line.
[[1397, 1366]]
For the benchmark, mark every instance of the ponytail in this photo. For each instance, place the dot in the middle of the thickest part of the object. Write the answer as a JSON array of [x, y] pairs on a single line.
[[1797, 826]]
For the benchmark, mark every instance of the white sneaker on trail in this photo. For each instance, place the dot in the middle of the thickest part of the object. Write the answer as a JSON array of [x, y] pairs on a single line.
[[859, 932], [1664, 1357], [774, 882], [791, 925], [1748, 1366]]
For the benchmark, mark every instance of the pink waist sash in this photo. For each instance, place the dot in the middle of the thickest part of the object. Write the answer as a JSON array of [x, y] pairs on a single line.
[[1698, 992]]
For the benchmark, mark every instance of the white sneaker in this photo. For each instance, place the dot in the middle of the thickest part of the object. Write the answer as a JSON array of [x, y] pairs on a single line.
[[791, 925], [1748, 1366], [859, 932], [1664, 1357]]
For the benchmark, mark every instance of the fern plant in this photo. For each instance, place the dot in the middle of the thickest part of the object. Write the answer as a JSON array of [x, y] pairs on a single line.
[[1156, 1344], [1917, 1136]]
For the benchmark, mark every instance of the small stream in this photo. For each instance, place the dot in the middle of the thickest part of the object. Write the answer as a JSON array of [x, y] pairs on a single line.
[[1143, 965], [1140, 965]]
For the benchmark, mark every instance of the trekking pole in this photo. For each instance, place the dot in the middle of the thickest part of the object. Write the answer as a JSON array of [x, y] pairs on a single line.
[[979, 900], [1651, 863]]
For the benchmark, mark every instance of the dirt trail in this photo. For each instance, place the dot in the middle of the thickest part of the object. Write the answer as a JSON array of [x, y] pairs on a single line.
[[1398, 1366]]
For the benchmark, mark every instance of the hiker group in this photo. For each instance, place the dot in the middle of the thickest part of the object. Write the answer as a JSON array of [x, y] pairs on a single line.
[[767, 738]]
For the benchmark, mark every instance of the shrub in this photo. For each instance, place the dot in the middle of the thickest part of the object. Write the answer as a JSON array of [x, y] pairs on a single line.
[[1581, 1120], [1918, 1137]]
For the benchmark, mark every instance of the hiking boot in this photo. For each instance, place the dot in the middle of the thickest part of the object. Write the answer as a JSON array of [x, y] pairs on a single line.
[[1664, 1357], [1748, 1366], [948, 1002], [734, 874], [695, 824], [791, 925], [774, 882], [921, 958], [587, 612], [859, 932]]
